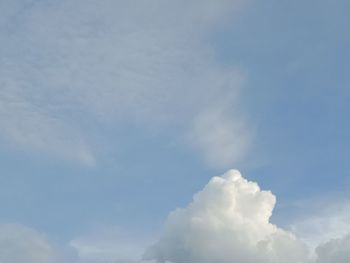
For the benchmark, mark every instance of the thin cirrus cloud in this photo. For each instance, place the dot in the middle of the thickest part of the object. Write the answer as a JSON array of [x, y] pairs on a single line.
[[20, 244], [228, 221], [330, 222], [31, 128], [111, 62], [107, 243]]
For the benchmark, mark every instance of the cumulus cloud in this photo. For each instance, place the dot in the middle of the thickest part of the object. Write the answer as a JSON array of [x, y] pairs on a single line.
[[228, 221], [70, 65], [20, 244]]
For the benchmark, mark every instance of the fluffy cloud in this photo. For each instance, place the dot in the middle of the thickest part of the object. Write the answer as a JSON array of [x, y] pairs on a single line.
[[67, 66], [20, 244], [228, 221]]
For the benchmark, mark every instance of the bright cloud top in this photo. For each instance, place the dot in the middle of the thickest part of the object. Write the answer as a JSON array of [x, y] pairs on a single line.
[[228, 221]]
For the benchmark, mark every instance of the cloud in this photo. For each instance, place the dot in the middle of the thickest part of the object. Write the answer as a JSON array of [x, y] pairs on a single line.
[[20, 244], [323, 221], [68, 66], [107, 244], [220, 138], [31, 127], [334, 251], [228, 221]]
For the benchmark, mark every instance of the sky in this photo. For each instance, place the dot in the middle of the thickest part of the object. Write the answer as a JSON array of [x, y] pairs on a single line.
[[174, 131]]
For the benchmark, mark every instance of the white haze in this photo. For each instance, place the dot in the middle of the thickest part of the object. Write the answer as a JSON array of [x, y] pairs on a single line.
[[70, 65]]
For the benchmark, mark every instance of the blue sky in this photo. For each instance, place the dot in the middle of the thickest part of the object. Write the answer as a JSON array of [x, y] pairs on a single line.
[[113, 114]]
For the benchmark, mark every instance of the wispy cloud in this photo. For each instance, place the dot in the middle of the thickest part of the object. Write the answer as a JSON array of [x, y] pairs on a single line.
[[20, 244], [330, 221], [111, 62], [108, 244], [31, 127], [221, 138]]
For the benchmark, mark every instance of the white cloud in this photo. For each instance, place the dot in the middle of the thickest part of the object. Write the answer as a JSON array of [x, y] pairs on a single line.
[[105, 63], [108, 244], [228, 221], [20, 244]]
